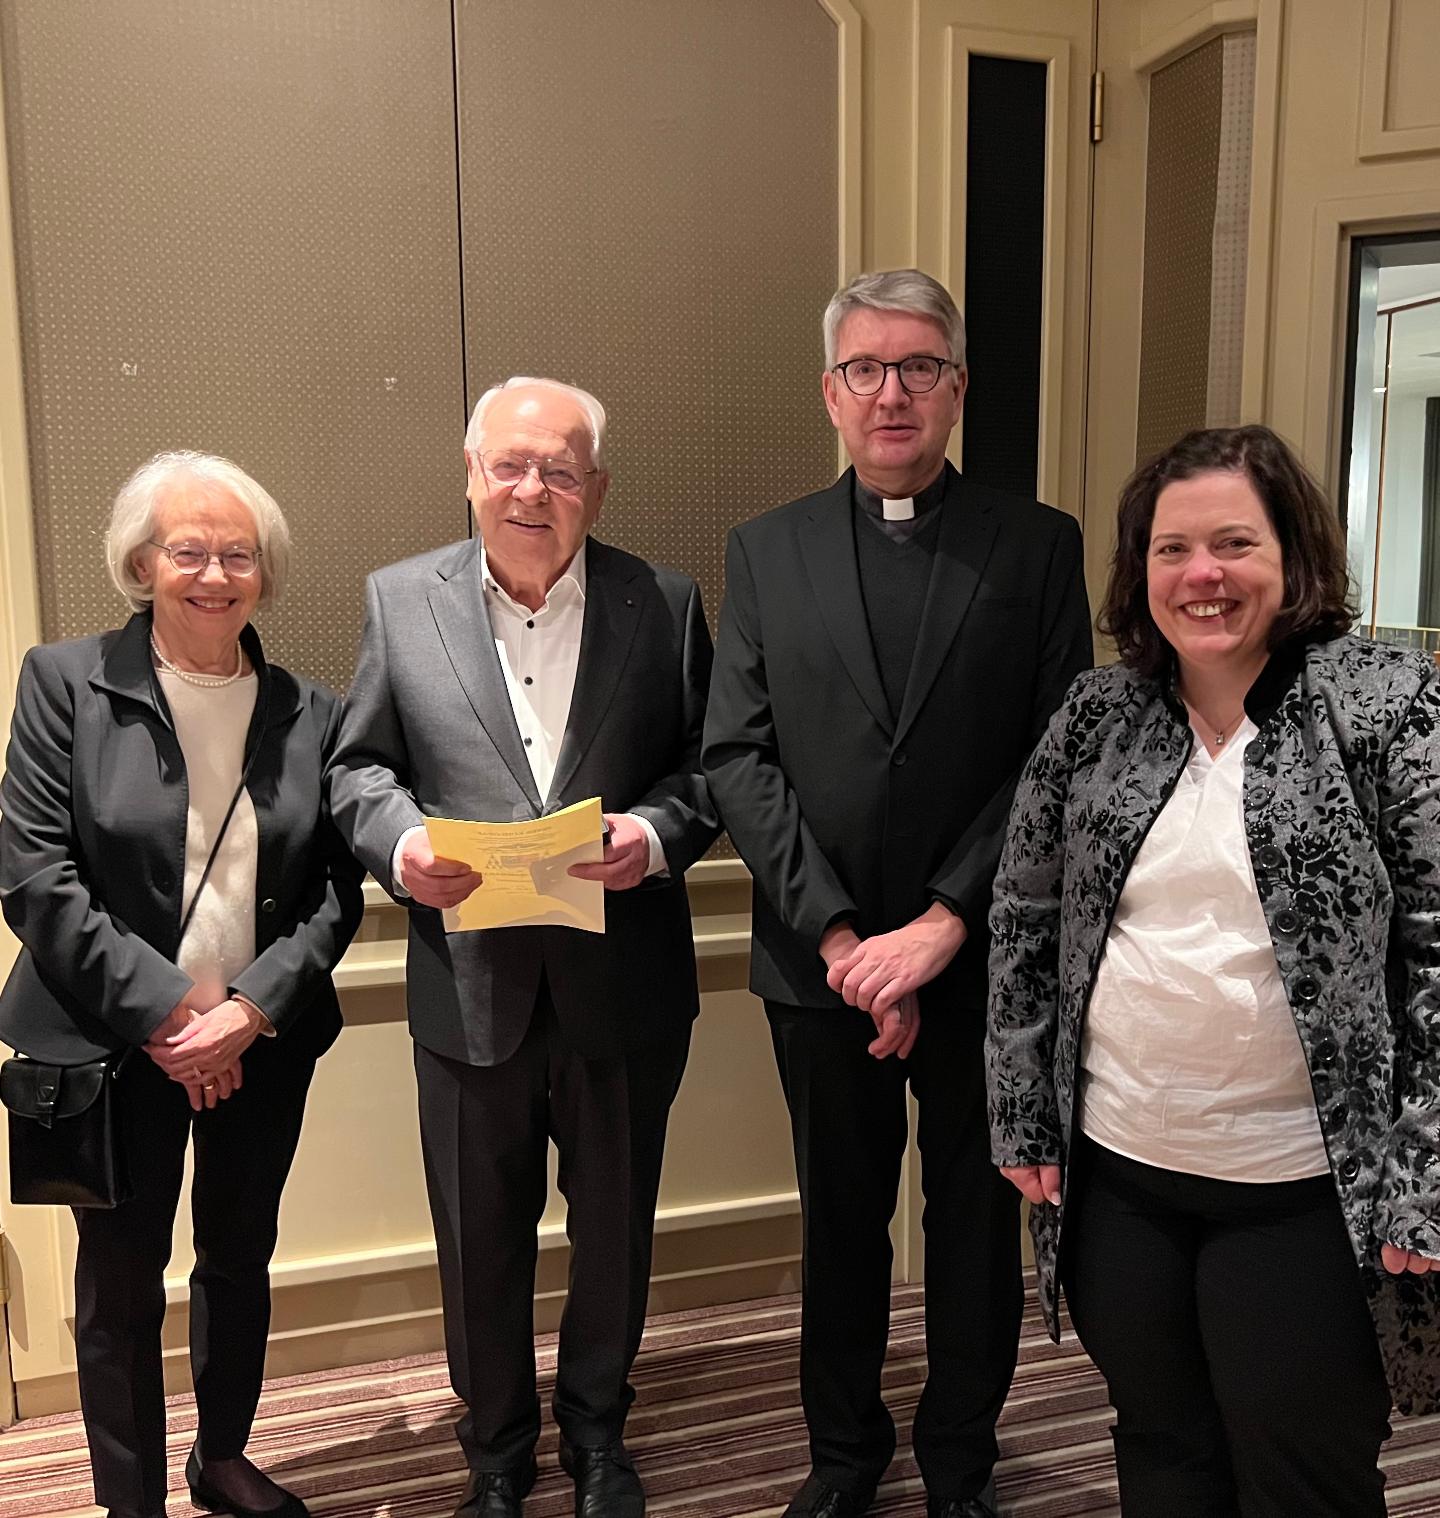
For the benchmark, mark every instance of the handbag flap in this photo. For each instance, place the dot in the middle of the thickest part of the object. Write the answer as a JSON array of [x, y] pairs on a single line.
[[29, 1088]]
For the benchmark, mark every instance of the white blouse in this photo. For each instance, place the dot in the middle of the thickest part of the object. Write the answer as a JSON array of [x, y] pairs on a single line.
[[1190, 1059], [211, 723]]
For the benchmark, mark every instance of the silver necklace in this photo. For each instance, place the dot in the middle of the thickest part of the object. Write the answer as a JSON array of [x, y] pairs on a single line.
[[191, 678]]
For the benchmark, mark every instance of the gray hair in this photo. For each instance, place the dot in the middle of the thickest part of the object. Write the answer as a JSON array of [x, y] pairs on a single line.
[[905, 290], [594, 412], [132, 519]]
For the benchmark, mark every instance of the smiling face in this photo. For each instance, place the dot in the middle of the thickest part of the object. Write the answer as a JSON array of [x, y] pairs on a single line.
[[896, 440], [531, 532], [195, 614], [1215, 573]]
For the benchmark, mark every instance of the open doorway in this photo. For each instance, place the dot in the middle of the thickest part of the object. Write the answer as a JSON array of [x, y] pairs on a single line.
[[1390, 487]]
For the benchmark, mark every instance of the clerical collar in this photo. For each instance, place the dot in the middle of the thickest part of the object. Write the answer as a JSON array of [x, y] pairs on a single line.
[[891, 510]]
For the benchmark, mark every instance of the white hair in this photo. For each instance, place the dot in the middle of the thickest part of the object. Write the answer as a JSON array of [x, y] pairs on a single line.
[[593, 410], [905, 290], [132, 519]]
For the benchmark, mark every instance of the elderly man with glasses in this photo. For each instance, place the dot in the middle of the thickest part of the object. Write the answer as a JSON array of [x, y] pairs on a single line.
[[890, 650], [501, 679]]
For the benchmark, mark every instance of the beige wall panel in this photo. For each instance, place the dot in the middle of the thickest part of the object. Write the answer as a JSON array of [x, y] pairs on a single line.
[[235, 227], [1400, 96], [664, 233], [1325, 192]]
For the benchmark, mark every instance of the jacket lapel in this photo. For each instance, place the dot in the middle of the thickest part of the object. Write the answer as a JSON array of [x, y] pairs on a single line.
[[967, 534], [463, 620], [827, 543], [613, 608]]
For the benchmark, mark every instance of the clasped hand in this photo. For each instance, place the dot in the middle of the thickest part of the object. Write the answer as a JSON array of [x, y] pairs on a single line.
[[1397, 1261], [883, 974], [202, 1050]]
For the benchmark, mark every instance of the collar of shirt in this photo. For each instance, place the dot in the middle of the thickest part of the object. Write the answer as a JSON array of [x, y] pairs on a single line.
[[925, 500], [570, 584]]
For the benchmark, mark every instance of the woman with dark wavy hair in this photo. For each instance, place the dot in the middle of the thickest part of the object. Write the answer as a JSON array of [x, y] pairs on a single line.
[[1214, 1043]]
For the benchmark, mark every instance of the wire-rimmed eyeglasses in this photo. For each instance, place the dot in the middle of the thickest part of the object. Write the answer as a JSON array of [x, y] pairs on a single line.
[[917, 373], [506, 467], [195, 558]]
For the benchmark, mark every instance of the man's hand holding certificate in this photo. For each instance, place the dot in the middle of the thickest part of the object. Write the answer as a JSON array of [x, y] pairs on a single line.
[[524, 869]]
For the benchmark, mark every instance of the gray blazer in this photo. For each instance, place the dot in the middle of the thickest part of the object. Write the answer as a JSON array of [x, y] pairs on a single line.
[[428, 730], [1342, 815]]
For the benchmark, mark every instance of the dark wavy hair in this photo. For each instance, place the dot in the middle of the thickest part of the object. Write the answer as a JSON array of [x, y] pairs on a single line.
[[1317, 603]]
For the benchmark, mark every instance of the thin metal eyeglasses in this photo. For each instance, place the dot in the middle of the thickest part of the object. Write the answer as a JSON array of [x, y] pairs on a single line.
[[918, 373], [562, 475], [192, 559]]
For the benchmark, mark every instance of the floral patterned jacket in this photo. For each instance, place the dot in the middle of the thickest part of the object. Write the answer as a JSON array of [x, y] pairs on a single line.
[[1342, 815]]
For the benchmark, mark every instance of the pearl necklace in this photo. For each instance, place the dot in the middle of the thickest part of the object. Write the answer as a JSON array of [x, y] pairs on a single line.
[[191, 678]]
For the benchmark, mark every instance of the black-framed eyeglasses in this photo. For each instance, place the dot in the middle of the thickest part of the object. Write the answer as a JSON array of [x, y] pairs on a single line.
[[507, 467], [918, 373], [195, 558]]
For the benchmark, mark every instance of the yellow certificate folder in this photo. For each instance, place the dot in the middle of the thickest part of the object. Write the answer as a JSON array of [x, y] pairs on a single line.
[[525, 868]]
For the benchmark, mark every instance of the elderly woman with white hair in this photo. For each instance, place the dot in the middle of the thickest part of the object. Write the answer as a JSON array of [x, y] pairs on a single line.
[[168, 864]]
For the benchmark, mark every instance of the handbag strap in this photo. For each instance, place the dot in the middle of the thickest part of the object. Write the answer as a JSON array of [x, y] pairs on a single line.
[[220, 836]]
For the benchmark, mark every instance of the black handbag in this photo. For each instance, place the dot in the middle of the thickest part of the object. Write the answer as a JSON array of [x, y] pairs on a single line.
[[64, 1132], [65, 1144]]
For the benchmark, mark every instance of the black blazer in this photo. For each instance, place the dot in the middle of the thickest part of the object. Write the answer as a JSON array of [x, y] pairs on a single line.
[[429, 730], [839, 808], [92, 853]]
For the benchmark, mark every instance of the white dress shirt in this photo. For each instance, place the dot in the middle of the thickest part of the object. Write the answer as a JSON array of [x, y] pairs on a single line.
[[1190, 1059], [539, 653]]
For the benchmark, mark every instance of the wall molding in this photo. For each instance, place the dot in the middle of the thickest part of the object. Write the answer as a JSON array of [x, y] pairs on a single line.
[[1201, 26], [1376, 139]]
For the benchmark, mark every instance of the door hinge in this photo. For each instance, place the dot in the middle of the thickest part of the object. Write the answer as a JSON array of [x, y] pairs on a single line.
[[1097, 106]]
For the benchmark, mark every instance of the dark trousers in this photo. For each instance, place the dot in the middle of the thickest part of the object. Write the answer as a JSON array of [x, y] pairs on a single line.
[[849, 1123], [1229, 1321], [243, 1150], [484, 1132]]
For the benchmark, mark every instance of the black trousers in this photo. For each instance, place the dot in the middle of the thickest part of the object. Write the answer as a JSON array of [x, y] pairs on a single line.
[[243, 1150], [1229, 1321], [849, 1123], [484, 1132]]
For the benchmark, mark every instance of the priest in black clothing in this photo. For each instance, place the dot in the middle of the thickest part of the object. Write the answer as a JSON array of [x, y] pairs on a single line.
[[890, 650]]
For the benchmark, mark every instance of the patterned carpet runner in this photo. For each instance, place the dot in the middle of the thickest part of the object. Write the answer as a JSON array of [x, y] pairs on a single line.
[[716, 1432]]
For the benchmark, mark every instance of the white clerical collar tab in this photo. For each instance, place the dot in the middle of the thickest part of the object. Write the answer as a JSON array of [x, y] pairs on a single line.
[[899, 511]]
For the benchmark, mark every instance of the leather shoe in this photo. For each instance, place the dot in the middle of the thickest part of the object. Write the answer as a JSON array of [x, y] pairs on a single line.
[[818, 1499], [206, 1496], [982, 1506], [497, 1494], [606, 1485]]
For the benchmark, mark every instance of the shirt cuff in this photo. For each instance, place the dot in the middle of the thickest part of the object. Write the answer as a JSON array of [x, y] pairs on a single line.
[[657, 865], [400, 843], [267, 1028]]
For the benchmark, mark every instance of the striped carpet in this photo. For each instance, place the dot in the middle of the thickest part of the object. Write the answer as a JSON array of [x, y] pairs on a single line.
[[716, 1431]]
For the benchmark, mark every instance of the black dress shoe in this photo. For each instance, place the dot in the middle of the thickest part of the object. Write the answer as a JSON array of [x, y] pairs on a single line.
[[497, 1494], [982, 1506], [606, 1485], [818, 1499], [206, 1496]]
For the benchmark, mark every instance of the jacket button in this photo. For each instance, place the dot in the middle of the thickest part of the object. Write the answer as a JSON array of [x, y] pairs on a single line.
[[164, 881], [1326, 1052], [1270, 858], [1349, 1167], [899, 758], [1307, 988], [1335, 1118], [268, 905], [1287, 921]]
